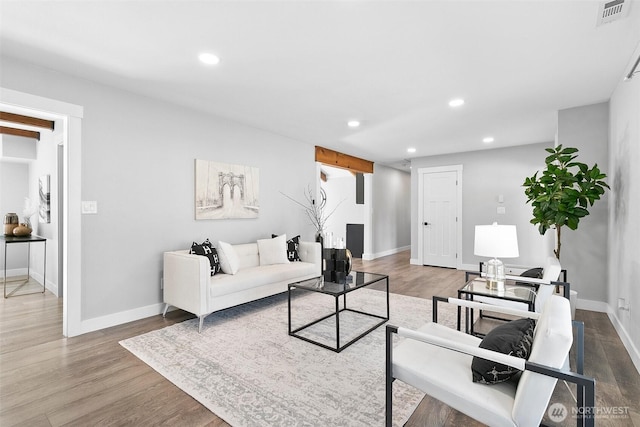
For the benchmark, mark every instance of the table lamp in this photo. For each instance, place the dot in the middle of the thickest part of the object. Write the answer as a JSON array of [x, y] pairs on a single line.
[[496, 241]]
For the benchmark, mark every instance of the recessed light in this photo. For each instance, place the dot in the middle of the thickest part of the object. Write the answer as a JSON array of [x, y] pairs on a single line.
[[209, 59], [411, 150], [487, 140], [353, 123], [456, 102]]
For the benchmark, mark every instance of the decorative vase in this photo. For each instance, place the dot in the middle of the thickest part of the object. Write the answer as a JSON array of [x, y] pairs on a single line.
[[349, 261], [320, 239], [10, 223], [22, 230]]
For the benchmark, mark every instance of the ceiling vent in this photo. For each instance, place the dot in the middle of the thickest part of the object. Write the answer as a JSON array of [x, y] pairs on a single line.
[[612, 11]]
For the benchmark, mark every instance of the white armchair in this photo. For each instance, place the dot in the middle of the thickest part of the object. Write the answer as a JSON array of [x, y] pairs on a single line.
[[437, 360]]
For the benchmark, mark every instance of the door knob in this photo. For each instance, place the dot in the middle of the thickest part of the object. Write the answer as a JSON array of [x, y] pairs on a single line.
[[426, 223]]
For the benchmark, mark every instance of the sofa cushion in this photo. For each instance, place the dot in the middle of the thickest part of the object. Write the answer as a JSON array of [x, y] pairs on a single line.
[[207, 249], [292, 248], [228, 258], [513, 338], [273, 251], [253, 277]]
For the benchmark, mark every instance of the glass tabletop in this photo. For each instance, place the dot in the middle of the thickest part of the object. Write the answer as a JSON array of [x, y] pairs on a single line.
[[511, 290], [355, 280]]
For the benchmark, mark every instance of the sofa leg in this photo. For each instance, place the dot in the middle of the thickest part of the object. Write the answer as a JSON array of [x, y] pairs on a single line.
[[200, 326], [166, 308]]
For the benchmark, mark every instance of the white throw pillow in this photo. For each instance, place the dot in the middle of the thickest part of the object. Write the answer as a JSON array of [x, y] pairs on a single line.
[[273, 251], [228, 258]]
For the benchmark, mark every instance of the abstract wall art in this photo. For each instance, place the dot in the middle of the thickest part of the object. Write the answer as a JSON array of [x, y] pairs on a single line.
[[44, 216]]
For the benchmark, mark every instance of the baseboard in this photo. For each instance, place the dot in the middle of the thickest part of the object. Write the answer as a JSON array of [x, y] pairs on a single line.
[[120, 318], [15, 272], [415, 261], [469, 267], [50, 286], [370, 256], [633, 351], [589, 305]]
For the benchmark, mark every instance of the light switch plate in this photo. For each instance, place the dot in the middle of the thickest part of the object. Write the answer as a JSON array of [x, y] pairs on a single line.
[[89, 207]]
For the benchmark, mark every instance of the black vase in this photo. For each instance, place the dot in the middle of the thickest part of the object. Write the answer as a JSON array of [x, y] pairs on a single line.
[[320, 239]]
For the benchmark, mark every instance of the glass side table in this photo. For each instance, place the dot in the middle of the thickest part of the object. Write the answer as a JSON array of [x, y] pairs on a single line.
[[478, 287]]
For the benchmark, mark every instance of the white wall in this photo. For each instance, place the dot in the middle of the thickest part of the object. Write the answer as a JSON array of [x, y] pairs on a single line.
[[45, 164], [391, 210], [486, 175], [624, 229], [138, 164], [341, 196], [584, 251], [14, 187]]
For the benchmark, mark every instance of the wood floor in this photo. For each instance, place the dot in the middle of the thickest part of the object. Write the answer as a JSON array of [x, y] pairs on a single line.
[[49, 380]]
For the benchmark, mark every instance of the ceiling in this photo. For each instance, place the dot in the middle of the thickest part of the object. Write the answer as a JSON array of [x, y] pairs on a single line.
[[302, 69]]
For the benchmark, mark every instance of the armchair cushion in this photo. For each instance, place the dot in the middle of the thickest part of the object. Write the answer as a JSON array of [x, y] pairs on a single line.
[[513, 338]]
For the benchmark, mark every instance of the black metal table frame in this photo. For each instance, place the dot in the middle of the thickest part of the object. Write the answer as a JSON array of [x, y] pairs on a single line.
[[338, 348], [468, 295], [468, 312], [28, 239]]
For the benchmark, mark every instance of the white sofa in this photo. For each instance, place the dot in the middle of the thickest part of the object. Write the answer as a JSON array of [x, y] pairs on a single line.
[[188, 283]]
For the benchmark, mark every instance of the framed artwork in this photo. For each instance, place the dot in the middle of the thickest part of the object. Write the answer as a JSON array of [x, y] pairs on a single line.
[[44, 216], [225, 191]]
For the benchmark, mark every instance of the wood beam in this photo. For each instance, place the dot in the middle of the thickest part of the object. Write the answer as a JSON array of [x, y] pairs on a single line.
[[26, 120], [344, 161], [20, 132]]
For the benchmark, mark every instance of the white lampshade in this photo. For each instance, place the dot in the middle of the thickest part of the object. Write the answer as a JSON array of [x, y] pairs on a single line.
[[496, 241]]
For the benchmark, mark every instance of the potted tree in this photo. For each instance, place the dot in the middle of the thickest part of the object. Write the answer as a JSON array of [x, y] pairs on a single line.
[[564, 191]]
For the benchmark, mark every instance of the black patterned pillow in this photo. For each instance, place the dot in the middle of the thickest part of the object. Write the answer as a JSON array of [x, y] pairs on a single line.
[[292, 248], [207, 249], [515, 339]]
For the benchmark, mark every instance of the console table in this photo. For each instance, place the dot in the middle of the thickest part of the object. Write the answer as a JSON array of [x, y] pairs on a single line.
[[9, 240]]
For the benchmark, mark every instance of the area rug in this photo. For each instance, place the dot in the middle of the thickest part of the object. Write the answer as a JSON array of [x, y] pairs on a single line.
[[246, 369]]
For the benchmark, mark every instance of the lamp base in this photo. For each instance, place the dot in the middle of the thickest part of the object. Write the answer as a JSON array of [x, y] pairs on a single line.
[[495, 285], [495, 275]]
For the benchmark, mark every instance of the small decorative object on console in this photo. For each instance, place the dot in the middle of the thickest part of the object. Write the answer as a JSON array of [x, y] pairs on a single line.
[[22, 230], [10, 222]]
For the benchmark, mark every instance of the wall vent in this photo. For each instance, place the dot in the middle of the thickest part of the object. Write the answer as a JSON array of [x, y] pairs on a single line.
[[612, 11]]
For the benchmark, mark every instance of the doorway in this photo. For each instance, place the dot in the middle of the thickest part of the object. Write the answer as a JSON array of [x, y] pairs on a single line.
[[440, 216], [70, 118]]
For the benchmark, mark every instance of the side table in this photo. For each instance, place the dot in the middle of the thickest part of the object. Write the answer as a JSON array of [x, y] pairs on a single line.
[[8, 240], [478, 287]]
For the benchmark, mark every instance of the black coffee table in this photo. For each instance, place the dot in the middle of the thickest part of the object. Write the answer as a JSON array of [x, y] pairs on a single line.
[[354, 281]]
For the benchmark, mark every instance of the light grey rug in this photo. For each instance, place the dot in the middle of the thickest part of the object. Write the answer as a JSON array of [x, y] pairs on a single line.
[[246, 369]]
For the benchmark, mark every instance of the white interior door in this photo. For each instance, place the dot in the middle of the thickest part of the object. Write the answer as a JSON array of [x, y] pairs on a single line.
[[439, 218]]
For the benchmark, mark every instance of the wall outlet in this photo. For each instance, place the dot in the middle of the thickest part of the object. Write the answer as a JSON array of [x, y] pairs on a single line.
[[89, 207], [501, 210], [623, 304]]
